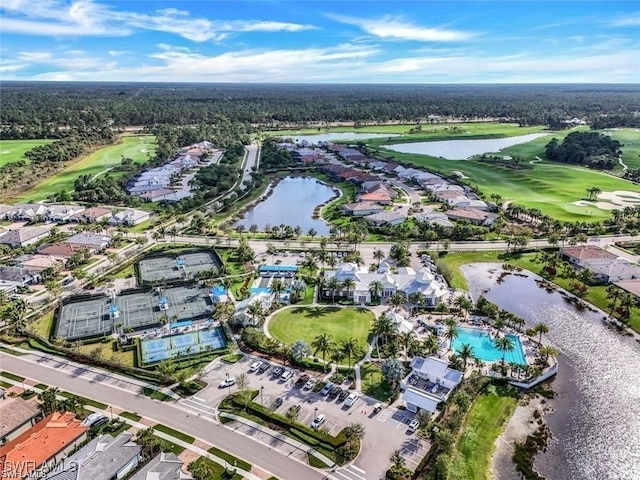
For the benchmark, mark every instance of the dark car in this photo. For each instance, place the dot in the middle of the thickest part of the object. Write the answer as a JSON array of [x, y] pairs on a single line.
[[99, 422], [264, 367], [276, 403], [343, 395], [277, 372], [334, 392], [301, 381]]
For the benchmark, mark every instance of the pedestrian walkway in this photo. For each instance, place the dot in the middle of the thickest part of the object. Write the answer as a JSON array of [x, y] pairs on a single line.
[[279, 437]]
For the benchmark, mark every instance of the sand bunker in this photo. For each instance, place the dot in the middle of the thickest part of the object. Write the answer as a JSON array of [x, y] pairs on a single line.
[[6, 151], [459, 173], [144, 150], [616, 200]]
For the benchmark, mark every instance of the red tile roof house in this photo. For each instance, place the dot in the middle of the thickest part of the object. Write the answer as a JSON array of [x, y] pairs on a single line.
[[46, 443], [586, 255], [381, 198], [59, 250]]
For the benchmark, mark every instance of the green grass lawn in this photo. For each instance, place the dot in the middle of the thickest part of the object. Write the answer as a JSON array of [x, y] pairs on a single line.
[[43, 326], [174, 433], [306, 323], [373, 383], [630, 140], [93, 164], [14, 150], [471, 457]]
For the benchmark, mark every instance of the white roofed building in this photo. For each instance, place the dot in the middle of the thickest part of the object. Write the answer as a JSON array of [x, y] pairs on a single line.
[[430, 382]]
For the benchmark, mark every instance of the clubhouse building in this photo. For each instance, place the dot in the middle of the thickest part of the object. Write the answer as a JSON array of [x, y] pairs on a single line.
[[406, 281]]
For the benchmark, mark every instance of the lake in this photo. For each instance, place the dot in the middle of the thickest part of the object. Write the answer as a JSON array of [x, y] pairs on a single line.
[[330, 137], [292, 203], [462, 149], [595, 420]]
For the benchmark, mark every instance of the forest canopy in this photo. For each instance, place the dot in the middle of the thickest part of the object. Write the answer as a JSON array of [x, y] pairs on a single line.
[[591, 149]]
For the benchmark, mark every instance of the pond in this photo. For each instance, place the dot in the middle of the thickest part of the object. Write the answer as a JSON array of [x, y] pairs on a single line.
[[292, 202], [595, 420], [462, 149], [330, 137]]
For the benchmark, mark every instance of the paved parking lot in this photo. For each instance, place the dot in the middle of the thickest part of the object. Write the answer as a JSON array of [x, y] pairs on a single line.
[[385, 431]]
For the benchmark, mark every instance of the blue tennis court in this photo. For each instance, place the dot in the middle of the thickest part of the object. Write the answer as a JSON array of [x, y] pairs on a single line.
[[157, 349], [278, 268]]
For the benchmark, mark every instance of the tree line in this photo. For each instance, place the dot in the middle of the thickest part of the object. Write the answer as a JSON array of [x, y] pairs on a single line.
[[591, 149]]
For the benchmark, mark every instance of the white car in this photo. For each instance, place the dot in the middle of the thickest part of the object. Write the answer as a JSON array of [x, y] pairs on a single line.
[[255, 366], [413, 426], [228, 382], [286, 376], [310, 384], [351, 399], [319, 420]]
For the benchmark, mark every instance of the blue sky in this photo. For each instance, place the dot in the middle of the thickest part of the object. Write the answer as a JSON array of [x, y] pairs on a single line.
[[321, 41]]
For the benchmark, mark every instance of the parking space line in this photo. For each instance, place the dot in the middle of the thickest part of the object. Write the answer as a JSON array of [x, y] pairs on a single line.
[[358, 469]]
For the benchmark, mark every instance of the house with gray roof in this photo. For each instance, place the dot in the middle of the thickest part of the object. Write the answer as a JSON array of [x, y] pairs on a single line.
[[103, 458], [387, 217], [361, 208], [129, 217], [17, 415], [23, 237], [18, 276], [165, 466], [92, 241]]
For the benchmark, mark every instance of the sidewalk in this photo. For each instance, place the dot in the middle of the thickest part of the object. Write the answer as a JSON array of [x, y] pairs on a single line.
[[280, 437]]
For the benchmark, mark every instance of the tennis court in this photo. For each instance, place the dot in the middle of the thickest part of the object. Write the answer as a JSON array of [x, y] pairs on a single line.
[[172, 267], [88, 318], [190, 343], [187, 302], [138, 310]]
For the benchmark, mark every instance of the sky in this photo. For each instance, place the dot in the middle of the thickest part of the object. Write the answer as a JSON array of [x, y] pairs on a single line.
[[306, 41]]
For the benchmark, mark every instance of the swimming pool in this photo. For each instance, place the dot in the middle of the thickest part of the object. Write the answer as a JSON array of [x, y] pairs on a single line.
[[485, 349]]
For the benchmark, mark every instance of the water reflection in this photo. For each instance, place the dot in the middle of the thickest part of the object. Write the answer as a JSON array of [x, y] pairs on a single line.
[[596, 417]]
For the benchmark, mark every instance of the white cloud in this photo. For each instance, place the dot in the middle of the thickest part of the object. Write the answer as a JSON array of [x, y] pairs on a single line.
[[74, 60], [11, 65], [87, 18], [396, 28], [631, 20]]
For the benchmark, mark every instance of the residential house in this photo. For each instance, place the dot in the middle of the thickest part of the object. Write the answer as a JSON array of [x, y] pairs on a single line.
[[472, 215], [242, 317], [18, 276], [434, 218], [387, 217], [103, 458], [129, 217], [92, 215], [430, 382], [156, 195], [586, 255], [433, 181], [361, 208], [376, 197], [614, 271], [37, 262], [92, 241], [4, 210], [61, 250], [165, 466], [23, 237], [44, 444], [16, 416], [406, 281], [630, 286], [62, 213], [29, 212]]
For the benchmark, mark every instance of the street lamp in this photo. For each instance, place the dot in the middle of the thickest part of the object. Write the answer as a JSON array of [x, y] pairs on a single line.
[[228, 384], [261, 389], [315, 413], [111, 410]]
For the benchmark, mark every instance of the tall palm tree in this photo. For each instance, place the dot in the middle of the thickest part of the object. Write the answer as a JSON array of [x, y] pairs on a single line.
[[256, 311], [350, 348], [333, 285], [464, 305], [277, 288], [348, 284], [375, 289], [407, 340], [324, 344], [451, 333], [396, 300], [378, 255], [430, 344], [48, 399], [441, 308], [546, 351], [504, 344], [383, 328], [540, 328], [465, 354], [417, 300]]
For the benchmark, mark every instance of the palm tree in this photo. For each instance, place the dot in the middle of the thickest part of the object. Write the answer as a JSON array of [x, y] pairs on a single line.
[[407, 340], [375, 289], [348, 284], [464, 304], [397, 459], [382, 328], [378, 255], [546, 351], [417, 300], [350, 348], [430, 344], [540, 328], [49, 400], [396, 300], [465, 354], [277, 288], [255, 310], [441, 308], [324, 344], [451, 333], [504, 344], [333, 285]]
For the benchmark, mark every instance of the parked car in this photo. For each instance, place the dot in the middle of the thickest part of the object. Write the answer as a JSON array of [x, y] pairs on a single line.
[[228, 382], [99, 422], [286, 376], [294, 410], [376, 408], [276, 403], [413, 426], [310, 384], [301, 381], [342, 395], [319, 420], [92, 418], [351, 399], [335, 391], [255, 366], [264, 367], [277, 372], [326, 389]]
